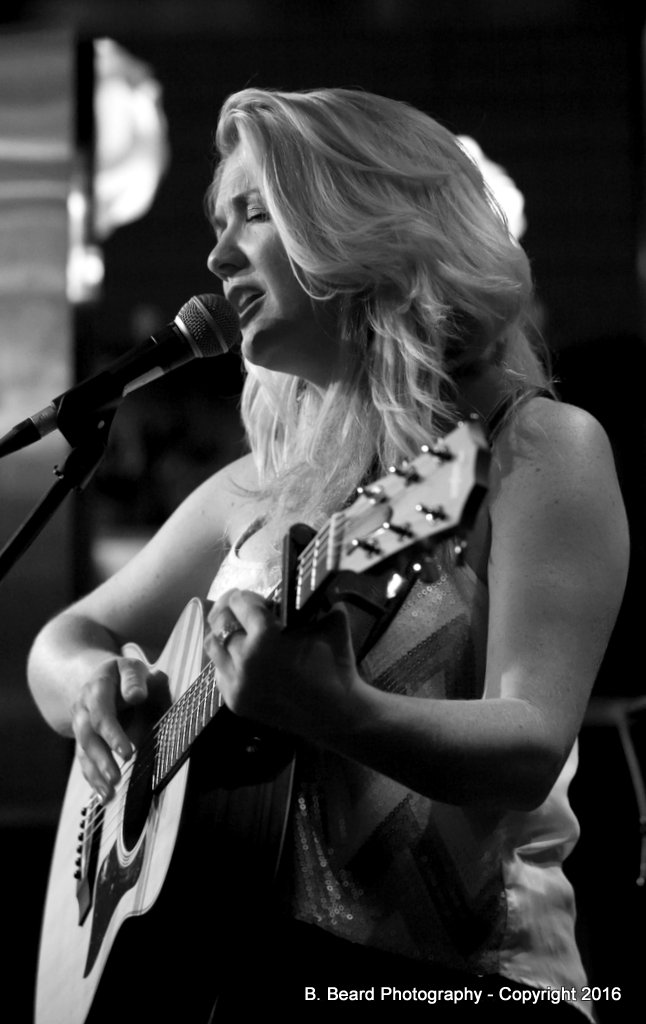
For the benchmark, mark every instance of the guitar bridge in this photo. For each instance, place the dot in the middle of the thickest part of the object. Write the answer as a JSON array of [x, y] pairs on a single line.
[[87, 856]]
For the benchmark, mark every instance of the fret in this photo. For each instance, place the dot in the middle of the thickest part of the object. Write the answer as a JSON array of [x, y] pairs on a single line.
[[301, 594], [166, 753], [314, 563], [204, 701], [160, 758], [335, 540], [168, 744], [182, 724], [190, 730], [198, 707], [318, 563], [185, 722], [157, 756], [214, 692], [177, 722]]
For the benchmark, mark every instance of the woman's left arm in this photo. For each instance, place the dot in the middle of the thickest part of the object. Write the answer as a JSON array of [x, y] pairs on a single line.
[[557, 571]]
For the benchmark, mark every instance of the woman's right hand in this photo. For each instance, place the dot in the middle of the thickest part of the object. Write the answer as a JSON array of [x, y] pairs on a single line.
[[116, 685]]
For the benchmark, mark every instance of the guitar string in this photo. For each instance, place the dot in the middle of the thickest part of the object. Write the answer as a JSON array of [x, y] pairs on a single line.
[[112, 819], [209, 670], [179, 717], [186, 705], [142, 761], [194, 699], [187, 711], [305, 560], [145, 757]]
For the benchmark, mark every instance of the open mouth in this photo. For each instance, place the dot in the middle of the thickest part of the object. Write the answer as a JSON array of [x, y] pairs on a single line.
[[248, 305]]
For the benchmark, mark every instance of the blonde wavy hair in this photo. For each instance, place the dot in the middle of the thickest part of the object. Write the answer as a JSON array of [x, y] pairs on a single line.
[[380, 210]]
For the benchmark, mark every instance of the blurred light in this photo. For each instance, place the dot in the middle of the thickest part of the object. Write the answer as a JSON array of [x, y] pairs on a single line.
[[131, 153], [131, 148], [84, 260], [508, 197]]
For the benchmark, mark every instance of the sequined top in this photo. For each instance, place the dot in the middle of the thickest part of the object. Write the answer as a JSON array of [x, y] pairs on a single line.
[[378, 864]]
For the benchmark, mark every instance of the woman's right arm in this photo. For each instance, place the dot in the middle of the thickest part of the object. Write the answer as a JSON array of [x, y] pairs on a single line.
[[78, 678]]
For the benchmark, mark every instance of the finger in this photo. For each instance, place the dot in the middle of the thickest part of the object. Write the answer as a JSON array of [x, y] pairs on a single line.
[[94, 777], [224, 626], [97, 762], [210, 645], [336, 620], [98, 701], [134, 680], [159, 694], [219, 657], [217, 645], [252, 611], [220, 606]]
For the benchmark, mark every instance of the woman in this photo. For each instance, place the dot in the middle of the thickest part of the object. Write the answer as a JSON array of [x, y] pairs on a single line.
[[382, 300]]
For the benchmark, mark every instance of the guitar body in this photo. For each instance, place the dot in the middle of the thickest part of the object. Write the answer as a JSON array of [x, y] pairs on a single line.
[[126, 907]]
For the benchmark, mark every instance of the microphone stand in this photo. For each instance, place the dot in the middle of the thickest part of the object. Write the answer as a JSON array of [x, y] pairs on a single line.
[[76, 473]]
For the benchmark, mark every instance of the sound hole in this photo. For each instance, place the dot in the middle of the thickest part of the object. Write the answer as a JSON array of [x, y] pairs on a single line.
[[138, 799], [140, 726]]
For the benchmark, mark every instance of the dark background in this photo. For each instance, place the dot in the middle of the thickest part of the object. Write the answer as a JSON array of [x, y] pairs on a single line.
[[551, 90]]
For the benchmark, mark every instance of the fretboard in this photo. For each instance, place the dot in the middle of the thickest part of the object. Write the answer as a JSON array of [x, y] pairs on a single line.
[[180, 726], [319, 560]]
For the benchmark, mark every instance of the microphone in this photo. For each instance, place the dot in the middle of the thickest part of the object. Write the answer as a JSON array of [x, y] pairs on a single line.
[[206, 325]]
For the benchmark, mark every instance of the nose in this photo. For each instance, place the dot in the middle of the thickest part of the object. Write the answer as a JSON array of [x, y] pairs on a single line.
[[225, 259]]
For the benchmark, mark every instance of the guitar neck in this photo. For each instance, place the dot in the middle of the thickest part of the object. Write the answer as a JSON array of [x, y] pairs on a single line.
[[182, 723], [398, 517], [180, 726]]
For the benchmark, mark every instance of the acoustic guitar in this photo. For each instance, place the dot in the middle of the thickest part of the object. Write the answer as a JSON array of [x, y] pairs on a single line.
[[196, 830]]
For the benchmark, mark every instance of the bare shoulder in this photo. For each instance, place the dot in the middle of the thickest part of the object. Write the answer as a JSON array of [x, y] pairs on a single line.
[[552, 452], [227, 496], [142, 600], [554, 481], [543, 431]]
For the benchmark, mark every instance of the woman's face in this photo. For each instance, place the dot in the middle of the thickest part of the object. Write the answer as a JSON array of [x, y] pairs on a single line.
[[282, 327]]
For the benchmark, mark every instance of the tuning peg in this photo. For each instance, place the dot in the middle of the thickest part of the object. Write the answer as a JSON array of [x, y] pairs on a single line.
[[366, 545], [374, 493], [400, 531], [432, 513], [439, 450], [406, 471]]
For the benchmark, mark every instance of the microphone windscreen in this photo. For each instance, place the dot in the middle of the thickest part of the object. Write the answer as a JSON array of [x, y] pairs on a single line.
[[212, 322]]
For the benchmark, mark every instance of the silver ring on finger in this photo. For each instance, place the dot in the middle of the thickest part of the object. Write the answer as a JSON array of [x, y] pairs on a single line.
[[230, 629]]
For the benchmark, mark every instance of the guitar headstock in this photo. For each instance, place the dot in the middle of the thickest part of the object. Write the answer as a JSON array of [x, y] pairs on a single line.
[[419, 503], [404, 513]]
